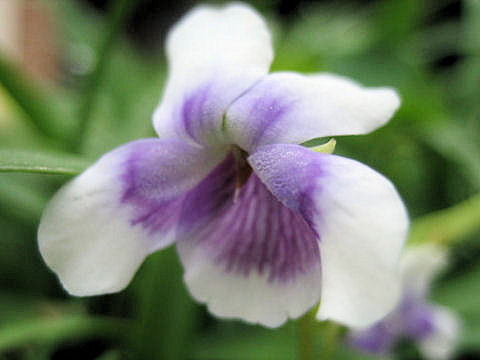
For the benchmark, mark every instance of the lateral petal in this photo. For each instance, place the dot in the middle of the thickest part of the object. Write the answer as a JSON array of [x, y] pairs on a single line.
[[287, 107], [99, 227], [360, 219]]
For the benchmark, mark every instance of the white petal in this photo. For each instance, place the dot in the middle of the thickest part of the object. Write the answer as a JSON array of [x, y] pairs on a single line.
[[419, 266], [214, 55], [251, 298], [360, 219], [441, 343], [293, 108], [363, 227], [99, 227], [255, 259]]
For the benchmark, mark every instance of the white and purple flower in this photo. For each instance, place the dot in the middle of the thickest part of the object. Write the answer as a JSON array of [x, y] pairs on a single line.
[[265, 228], [432, 327]]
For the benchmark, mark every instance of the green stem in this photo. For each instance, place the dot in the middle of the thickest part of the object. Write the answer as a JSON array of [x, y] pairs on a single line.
[[306, 329], [449, 225], [331, 335], [38, 107], [118, 16]]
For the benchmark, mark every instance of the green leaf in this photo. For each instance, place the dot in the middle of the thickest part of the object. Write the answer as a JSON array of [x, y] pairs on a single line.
[[118, 15], [41, 109], [252, 344], [461, 293], [456, 144], [449, 225], [21, 199], [55, 329], [166, 315], [41, 162]]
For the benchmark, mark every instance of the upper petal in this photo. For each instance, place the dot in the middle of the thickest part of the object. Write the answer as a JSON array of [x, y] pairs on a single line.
[[99, 227], [292, 108], [252, 257], [361, 222], [214, 55]]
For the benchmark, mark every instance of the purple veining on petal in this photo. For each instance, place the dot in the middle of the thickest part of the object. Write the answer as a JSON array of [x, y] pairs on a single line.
[[142, 189], [377, 339], [265, 112], [193, 110], [291, 172], [157, 175], [249, 231]]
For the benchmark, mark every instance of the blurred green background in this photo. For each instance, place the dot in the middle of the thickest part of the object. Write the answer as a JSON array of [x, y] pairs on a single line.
[[101, 65]]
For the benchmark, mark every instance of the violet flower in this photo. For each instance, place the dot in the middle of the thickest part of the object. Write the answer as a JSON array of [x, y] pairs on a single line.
[[432, 327], [265, 228]]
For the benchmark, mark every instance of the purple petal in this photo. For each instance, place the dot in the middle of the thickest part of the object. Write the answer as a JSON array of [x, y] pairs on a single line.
[[156, 177], [99, 227], [293, 108], [377, 339], [417, 318], [359, 218], [248, 238]]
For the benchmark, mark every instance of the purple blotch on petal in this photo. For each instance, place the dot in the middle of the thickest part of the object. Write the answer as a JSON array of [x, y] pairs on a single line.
[[250, 230], [144, 189], [193, 110]]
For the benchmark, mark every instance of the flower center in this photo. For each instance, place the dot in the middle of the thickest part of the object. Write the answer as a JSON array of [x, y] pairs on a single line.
[[243, 169]]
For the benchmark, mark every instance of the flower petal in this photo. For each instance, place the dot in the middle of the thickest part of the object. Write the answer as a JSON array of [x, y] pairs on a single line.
[[377, 339], [214, 55], [253, 259], [99, 227], [292, 108], [360, 219], [441, 342]]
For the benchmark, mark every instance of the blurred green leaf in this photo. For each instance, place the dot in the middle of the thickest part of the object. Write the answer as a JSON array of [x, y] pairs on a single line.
[[110, 355], [166, 315], [41, 162], [117, 17], [257, 344], [55, 329], [20, 199], [41, 109], [455, 143], [461, 293], [449, 225]]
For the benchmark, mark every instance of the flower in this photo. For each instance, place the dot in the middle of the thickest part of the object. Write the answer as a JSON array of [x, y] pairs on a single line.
[[264, 227], [435, 328]]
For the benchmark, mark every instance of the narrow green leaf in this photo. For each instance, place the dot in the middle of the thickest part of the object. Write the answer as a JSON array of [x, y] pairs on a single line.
[[118, 15], [449, 225], [20, 199], [41, 162], [166, 314], [39, 108], [455, 144], [248, 343], [56, 329]]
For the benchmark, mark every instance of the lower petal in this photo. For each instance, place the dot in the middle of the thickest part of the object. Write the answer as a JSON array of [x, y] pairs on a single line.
[[99, 227], [254, 259], [360, 220]]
